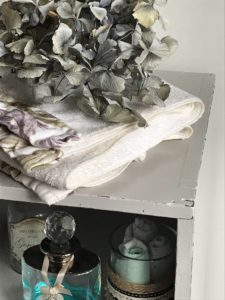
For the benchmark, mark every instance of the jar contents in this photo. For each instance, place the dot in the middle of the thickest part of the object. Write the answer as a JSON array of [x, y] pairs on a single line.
[[142, 261]]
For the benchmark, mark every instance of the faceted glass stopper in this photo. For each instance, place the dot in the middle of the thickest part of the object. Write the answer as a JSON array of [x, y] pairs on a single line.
[[60, 227]]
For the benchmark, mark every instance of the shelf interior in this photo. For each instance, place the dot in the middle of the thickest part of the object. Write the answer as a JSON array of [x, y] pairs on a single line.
[[93, 231]]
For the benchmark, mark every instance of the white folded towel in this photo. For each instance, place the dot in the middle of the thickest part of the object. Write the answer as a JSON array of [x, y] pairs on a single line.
[[47, 193], [104, 150]]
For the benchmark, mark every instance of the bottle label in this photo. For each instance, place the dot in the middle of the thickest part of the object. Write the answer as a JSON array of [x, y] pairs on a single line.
[[114, 293], [25, 234]]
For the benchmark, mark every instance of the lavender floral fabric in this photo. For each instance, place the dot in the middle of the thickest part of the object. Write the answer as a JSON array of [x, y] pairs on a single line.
[[39, 128], [20, 122]]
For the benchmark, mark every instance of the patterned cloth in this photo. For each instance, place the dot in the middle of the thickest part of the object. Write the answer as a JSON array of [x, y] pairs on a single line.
[[37, 127]]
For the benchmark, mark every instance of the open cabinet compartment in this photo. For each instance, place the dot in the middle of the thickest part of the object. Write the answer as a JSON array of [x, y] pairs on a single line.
[[94, 228]]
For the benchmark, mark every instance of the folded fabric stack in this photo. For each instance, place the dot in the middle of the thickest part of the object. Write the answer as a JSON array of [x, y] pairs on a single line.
[[54, 149]]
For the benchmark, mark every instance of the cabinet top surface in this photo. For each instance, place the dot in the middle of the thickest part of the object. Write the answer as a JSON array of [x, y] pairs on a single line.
[[164, 184]]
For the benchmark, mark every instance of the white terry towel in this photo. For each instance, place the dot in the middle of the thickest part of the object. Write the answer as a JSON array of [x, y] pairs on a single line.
[[44, 191], [47, 193], [105, 150]]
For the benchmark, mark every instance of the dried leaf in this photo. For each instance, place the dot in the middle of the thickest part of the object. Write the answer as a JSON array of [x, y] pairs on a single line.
[[117, 114], [137, 87], [171, 43], [61, 38], [148, 37], [5, 37], [140, 59], [164, 23], [44, 10], [41, 90], [65, 10], [107, 81], [77, 75], [66, 63], [29, 47], [34, 19], [104, 3], [157, 96], [165, 47], [126, 50], [107, 53], [18, 46], [92, 106], [99, 12], [101, 33], [164, 91], [122, 29], [88, 54], [137, 35], [25, 1], [37, 59], [31, 72], [77, 7], [145, 14], [3, 50], [117, 5], [11, 18]]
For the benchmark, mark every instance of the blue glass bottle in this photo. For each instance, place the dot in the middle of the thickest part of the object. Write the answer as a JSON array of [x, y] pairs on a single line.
[[60, 253]]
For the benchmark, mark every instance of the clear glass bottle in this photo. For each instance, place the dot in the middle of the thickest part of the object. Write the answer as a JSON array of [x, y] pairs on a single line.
[[59, 268], [26, 228]]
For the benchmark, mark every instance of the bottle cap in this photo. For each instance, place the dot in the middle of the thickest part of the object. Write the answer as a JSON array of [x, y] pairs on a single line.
[[59, 229]]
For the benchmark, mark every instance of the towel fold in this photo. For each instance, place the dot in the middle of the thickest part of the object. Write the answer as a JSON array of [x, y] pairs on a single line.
[[47, 193], [104, 150], [133, 266], [142, 229]]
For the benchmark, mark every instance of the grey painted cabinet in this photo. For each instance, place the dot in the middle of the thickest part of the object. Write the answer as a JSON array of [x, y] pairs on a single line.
[[164, 185]]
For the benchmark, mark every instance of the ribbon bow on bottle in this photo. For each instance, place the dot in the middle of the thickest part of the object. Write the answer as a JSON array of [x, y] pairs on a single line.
[[57, 291]]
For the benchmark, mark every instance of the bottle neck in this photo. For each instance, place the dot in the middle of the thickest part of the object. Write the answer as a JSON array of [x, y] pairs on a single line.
[[59, 255], [56, 262]]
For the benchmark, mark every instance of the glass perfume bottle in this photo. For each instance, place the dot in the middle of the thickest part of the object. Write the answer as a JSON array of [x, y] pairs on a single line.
[[59, 268], [26, 228]]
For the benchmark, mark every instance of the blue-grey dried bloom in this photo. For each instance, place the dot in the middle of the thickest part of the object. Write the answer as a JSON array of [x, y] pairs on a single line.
[[105, 51]]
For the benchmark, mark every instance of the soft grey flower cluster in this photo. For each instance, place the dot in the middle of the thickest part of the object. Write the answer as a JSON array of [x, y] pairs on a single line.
[[104, 52]]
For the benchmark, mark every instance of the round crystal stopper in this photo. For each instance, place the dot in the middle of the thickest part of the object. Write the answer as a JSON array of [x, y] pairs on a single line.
[[60, 227]]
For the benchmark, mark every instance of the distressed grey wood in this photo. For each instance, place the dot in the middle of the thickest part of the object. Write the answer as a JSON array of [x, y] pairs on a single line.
[[163, 185], [184, 259]]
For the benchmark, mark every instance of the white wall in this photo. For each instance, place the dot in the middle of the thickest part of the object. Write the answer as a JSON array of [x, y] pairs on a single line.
[[199, 27]]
